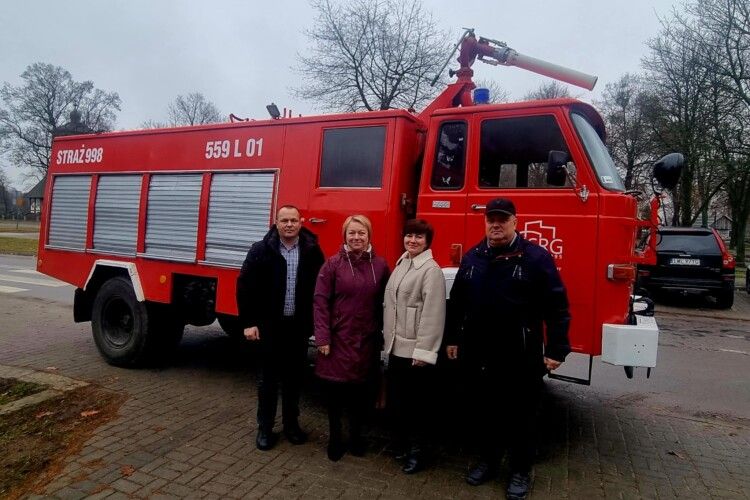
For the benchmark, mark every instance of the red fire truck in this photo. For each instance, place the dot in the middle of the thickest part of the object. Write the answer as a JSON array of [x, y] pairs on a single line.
[[152, 226]]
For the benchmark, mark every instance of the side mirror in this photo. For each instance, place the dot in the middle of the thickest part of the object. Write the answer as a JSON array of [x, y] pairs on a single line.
[[668, 169], [556, 171]]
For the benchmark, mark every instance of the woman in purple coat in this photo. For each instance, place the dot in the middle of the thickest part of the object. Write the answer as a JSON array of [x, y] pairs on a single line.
[[348, 309]]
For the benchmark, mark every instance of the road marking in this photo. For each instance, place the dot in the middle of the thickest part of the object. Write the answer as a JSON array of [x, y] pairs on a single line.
[[27, 271], [31, 281], [734, 351], [11, 289]]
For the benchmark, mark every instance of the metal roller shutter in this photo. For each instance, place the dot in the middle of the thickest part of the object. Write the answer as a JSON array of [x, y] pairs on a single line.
[[239, 214], [172, 219], [69, 212], [116, 213]]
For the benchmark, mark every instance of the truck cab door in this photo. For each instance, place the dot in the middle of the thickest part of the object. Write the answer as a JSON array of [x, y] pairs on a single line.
[[510, 161], [351, 178], [443, 190]]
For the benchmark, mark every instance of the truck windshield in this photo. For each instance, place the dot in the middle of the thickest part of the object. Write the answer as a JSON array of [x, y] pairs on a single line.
[[606, 172]]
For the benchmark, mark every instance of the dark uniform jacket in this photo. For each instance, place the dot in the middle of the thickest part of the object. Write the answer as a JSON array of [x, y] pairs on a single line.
[[500, 300], [261, 285]]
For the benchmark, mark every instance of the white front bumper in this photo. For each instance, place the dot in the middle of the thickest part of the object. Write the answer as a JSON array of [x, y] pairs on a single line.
[[631, 345]]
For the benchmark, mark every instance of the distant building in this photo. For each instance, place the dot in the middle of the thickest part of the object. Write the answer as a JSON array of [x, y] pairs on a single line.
[[723, 225], [35, 197]]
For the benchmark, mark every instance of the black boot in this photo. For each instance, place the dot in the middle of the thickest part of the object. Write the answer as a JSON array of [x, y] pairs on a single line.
[[518, 486], [335, 449], [483, 472], [357, 445], [336, 446], [414, 461], [265, 440], [294, 434]]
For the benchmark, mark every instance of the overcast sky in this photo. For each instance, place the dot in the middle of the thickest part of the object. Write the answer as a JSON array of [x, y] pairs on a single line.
[[240, 54]]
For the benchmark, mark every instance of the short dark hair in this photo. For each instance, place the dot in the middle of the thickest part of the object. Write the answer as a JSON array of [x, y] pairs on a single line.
[[299, 212], [419, 226]]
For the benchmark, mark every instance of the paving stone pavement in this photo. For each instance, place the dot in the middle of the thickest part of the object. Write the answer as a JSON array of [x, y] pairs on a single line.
[[187, 431]]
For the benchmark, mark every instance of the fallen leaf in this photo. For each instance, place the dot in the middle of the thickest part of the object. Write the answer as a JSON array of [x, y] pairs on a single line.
[[51, 368], [89, 413], [675, 454], [43, 414], [127, 470]]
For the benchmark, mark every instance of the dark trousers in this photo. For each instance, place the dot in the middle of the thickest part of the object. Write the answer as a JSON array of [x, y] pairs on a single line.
[[283, 355], [353, 398], [506, 404], [410, 398]]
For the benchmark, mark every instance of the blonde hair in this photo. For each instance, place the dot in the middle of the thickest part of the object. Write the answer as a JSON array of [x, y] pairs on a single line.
[[357, 218]]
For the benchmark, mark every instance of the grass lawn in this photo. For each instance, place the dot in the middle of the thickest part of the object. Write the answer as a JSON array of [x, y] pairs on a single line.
[[18, 246], [22, 226], [13, 390]]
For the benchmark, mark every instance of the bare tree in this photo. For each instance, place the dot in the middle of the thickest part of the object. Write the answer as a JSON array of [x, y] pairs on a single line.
[[367, 55], [192, 109], [4, 198], [722, 28], [31, 111], [548, 90], [679, 113], [153, 124], [624, 108]]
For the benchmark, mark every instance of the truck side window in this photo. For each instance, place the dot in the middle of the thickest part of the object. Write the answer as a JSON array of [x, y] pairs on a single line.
[[449, 166], [352, 157], [513, 152]]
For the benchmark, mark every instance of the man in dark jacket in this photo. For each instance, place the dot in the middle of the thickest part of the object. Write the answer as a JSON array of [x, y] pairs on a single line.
[[274, 297], [506, 290]]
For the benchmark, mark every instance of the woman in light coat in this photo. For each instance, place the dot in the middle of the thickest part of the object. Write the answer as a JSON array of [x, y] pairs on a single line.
[[413, 321]]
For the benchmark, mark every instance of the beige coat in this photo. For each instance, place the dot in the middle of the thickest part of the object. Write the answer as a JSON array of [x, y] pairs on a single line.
[[414, 313]]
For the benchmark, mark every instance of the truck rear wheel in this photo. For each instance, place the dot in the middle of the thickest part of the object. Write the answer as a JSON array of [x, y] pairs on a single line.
[[128, 332], [231, 325]]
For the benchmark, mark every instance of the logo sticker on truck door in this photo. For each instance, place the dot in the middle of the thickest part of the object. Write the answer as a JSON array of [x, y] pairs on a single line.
[[545, 236]]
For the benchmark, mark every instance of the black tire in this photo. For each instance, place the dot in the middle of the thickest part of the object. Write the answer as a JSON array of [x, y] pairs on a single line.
[[725, 299], [130, 333], [231, 326]]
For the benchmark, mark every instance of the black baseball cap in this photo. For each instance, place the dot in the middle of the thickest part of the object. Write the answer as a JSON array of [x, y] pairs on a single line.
[[501, 206]]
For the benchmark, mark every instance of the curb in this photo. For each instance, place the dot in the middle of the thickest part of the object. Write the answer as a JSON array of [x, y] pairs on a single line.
[[56, 385]]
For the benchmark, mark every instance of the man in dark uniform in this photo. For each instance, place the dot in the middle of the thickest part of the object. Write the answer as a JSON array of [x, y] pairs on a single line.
[[274, 297], [506, 290]]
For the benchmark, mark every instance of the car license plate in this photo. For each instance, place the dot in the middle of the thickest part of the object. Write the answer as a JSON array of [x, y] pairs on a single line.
[[685, 262]]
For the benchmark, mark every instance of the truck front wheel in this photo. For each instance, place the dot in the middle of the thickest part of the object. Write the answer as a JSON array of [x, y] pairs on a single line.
[[128, 332]]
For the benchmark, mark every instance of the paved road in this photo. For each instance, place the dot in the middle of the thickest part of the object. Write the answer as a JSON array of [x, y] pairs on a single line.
[[18, 276], [187, 429]]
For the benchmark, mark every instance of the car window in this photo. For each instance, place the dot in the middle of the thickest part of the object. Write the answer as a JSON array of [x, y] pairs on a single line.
[[513, 152], [449, 166], [704, 243]]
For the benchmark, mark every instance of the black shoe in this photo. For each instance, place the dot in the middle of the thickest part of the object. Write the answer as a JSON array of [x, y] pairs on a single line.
[[481, 473], [335, 450], [265, 440], [518, 486], [357, 447], [413, 464], [295, 435]]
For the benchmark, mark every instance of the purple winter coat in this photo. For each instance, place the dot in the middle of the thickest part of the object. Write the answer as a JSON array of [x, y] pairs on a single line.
[[348, 312]]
